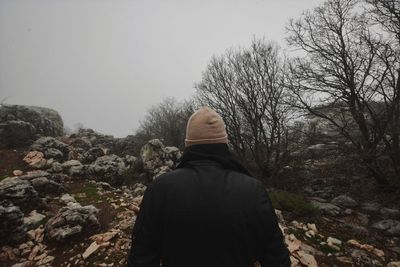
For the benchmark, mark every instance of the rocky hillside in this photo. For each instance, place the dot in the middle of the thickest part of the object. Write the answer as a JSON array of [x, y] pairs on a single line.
[[72, 200]]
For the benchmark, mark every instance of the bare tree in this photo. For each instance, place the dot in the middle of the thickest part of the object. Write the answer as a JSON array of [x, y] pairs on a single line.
[[346, 67], [386, 13], [166, 121], [246, 87]]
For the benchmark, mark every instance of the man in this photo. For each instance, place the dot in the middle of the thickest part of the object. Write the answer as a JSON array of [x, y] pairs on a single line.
[[209, 211]]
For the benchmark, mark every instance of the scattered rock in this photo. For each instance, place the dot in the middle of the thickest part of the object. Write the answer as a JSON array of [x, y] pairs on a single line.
[[17, 172], [35, 159], [105, 186], [33, 219], [90, 250], [67, 198], [334, 243], [104, 237], [34, 174], [19, 192], [53, 153], [389, 226], [24, 264], [52, 148], [138, 189], [109, 168], [11, 224], [371, 207], [366, 247], [73, 167], [306, 259], [158, 159], [327, 208], [45, 186], [390, 213], [344, 201], [361, 258], [71, 220], [92, 154], [363, 218]]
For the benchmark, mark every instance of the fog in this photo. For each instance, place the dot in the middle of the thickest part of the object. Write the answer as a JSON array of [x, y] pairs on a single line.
[[104, 63]]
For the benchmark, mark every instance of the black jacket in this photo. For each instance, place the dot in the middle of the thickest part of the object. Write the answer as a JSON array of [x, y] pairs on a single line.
[[207, 213]]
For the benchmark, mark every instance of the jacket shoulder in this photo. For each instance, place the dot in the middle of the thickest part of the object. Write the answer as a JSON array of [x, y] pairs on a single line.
[[167, 177]]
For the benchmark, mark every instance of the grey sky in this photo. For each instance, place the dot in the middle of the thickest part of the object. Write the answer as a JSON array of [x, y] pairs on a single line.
[[104, 63]]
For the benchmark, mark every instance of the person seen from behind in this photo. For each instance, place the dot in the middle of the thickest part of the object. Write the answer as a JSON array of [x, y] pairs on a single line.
[[209, 211]]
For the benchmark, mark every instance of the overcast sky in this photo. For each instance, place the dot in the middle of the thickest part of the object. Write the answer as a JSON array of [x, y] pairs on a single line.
[[103, 63]]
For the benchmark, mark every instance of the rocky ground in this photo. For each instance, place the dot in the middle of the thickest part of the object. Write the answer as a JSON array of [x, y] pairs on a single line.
[[73, 200]]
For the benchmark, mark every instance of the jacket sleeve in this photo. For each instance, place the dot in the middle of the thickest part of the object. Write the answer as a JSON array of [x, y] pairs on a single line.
[[272, 251], [146, 237]]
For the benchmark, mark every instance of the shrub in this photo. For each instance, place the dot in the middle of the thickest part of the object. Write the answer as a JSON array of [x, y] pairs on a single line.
[[294, 203]]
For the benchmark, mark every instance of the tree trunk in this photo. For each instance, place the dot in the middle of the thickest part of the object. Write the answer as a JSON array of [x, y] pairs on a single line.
[[376, 172]]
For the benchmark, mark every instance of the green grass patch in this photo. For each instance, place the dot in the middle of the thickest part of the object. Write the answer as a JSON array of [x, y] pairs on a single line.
[[88, 194], [297, 204], [315, 241]]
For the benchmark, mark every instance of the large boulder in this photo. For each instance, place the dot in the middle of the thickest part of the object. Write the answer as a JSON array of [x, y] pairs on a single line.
[[12, 225], [108, 168], [126, 146], [46, 186], [344, 201], [72, 220], [19, 192], [138, 189], [327, 208], [21, 125], [388, 213], [92, 154], [73, 168], [51, 148], [44, 182], [371, 207], [157, 158], [389, 227], [86, 138]]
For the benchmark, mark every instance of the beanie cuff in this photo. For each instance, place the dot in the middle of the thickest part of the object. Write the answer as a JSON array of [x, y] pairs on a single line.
[[223, 139]]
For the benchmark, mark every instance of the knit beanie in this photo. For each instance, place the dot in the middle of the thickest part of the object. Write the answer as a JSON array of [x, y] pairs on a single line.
[[205, 126]]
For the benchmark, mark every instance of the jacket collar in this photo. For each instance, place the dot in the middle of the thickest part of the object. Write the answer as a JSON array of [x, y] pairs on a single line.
[[211, 154]]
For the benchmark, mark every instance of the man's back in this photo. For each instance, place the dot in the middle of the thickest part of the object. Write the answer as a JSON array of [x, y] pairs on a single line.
[[207, 215]]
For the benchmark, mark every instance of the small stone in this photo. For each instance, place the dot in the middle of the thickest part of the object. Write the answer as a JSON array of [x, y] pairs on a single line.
[[334, 241], [90, 250], [34, 252], [41, 256], [306, 259], [313, 227], [100, 238], [345, 259], [47, 260], [310, 233], [17, 172], [378, 252], [327, 208], [34, 218], [24, 264]]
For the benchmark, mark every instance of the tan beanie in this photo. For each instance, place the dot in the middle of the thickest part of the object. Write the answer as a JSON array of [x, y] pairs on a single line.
[[205, 126]]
